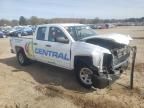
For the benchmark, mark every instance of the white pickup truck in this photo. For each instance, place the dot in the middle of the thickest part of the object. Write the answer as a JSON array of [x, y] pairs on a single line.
[[75, 47]]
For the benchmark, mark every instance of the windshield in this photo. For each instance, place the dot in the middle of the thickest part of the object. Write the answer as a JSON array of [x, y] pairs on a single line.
[[80, 32]]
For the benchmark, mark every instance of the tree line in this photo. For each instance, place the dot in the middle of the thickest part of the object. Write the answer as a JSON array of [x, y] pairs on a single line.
[[36, 21]]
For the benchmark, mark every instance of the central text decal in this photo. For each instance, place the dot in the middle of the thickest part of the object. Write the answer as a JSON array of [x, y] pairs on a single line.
[[58, 55]]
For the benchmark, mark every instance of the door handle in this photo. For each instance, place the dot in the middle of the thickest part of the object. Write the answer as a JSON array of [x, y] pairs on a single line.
[[35, 43], [48, 45]]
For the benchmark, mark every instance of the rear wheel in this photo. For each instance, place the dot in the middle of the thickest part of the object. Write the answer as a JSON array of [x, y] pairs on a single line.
[[19, 35], [22, 59]]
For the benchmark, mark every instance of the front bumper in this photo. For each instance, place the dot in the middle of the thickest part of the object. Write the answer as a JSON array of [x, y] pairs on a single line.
[[12, 51], [100, 82], [107, 77]]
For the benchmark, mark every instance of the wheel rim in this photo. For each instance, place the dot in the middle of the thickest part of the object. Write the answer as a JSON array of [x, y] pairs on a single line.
[[19, 35], [21, 58], [85, 76]]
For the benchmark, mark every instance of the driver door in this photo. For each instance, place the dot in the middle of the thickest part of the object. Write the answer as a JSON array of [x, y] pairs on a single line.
[[60, 52]]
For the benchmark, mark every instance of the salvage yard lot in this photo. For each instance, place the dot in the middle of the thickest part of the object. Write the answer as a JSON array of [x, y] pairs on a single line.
[[43, 86]]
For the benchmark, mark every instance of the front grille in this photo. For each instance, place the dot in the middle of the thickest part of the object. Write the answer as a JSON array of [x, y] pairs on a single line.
[[110, 61], [117, 60]]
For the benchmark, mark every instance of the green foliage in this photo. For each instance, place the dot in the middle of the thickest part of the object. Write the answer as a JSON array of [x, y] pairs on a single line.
[[22, 20], [36, 21]]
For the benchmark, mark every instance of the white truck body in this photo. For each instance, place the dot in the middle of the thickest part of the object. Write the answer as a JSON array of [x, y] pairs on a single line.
[[63, 54]]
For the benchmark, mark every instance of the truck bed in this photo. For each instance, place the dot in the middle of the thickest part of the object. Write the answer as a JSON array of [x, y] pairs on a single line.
[[20, 42]]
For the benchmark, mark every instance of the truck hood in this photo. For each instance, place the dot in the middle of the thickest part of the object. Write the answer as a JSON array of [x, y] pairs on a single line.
[[84, 47], [119, 38]]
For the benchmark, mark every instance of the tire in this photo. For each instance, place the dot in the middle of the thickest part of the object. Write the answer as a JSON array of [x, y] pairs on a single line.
[[22, 59], [84, 80]]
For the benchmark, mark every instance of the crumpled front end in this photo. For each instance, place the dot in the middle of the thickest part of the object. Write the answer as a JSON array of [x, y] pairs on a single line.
[[111, 57], [111, 67]]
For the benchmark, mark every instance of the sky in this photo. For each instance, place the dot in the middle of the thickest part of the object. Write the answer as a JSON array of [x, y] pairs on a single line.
[[105, 9]]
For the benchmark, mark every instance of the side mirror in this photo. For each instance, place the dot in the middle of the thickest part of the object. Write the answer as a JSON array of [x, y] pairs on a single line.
[[61, 40]]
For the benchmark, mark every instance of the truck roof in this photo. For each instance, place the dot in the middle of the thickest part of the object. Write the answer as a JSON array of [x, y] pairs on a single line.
[[62, 24]]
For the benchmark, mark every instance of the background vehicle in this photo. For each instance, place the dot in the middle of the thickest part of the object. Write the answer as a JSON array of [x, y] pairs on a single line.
[[22, 31], [94, 58], [93, 26], [1, 34], [26, 31]]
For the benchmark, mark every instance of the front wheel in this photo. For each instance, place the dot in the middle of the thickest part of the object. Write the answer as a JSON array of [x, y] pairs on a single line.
[[84, 76]]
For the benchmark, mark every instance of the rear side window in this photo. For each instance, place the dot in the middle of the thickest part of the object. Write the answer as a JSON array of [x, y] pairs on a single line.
[[41, 33]]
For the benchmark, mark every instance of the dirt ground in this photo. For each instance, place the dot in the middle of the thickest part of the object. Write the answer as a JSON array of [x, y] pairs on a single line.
[[43, 86]]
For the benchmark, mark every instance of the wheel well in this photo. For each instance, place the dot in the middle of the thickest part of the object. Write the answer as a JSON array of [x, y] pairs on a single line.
[[83, 60], [17, 48]]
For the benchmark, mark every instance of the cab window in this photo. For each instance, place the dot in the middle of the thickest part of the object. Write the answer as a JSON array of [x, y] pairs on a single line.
[[41, 33], [55, 32]]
